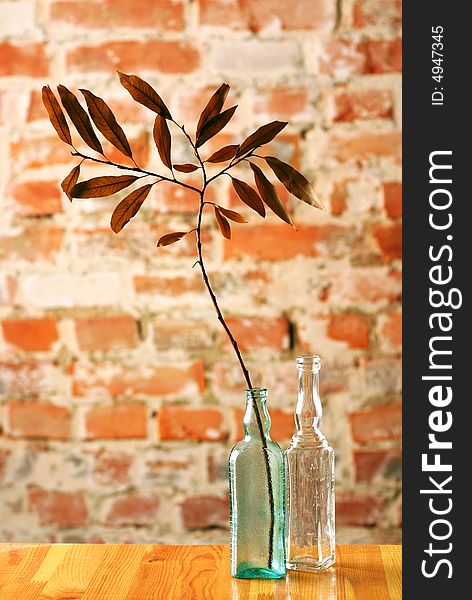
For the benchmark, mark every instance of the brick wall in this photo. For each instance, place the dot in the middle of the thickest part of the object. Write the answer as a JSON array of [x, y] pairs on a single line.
[[119, 396]]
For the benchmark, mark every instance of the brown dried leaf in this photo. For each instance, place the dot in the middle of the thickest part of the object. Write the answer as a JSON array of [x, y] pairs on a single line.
[[214, 126], [263, 135], [213, 108], [56, 116], [105, 120], [269, 195], [98, 187], [296, 183], [248, 195], [128, 207], [171, 238], [223, 223], [70, 181], [79, 118], [143, 93], [186, 168], [232, 215], [223, 154], [163, 140]]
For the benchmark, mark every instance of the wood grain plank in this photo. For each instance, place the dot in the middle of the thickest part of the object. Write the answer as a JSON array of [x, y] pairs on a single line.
[[10, 556], [180, 572], [115, 573], [391, 558], [20, 584], [362, 566], [147, 572], [74, 573]]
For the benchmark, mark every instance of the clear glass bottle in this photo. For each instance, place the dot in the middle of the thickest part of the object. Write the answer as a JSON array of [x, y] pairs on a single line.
[[257, 496], [310, 479]]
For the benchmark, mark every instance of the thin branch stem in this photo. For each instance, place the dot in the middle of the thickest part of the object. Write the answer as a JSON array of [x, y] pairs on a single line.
[[136, 170], [200, 261], [234, 343]]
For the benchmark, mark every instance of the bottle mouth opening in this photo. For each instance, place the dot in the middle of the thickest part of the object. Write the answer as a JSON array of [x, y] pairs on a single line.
[[256, 393], [309, 362]]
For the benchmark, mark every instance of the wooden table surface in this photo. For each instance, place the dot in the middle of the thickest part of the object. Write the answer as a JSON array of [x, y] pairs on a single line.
[[147, 572]]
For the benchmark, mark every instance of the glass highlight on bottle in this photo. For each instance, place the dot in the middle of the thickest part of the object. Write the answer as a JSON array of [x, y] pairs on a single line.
[[310, 479], [257, 496]]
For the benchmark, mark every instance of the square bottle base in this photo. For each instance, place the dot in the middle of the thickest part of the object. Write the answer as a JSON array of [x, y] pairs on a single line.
[[248, 572], [309, 564]]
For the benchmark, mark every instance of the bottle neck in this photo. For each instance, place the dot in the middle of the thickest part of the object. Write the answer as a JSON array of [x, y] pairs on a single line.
[[308, 411], [256, 421]]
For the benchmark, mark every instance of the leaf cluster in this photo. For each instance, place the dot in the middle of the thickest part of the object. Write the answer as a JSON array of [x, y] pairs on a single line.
[[98, 118]]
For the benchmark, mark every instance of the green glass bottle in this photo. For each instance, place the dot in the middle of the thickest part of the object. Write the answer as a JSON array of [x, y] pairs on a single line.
[[257, 496]]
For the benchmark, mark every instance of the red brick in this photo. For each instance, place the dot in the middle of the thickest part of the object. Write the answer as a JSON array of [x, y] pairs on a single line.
[[112, 467], [203, 512], [383, 56], [37, 152], [283, 102], [170, 286], [363, 284], [359, 509], [342, 59], [126, 420], [38, 420], [31, 334], [32, 244], [281, 242], [370, 464], [282, 424], [391, 330], [175, 333], [164, 56], [106, 333], [377, 13], [36, 198], [192, 424], [149, 14], [132, 509], [257, 333], [377, 423], [62, 509], [362, 146], [350, 328], [389, 239], [257, 14], [363, 104], [160, 381], [393, 199], [27, 60]]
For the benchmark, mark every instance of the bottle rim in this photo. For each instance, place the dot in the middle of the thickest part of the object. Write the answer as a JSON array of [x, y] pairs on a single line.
[[309, 361], [256, 392]]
